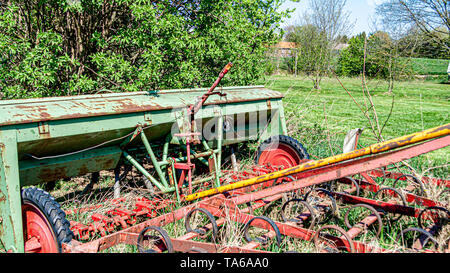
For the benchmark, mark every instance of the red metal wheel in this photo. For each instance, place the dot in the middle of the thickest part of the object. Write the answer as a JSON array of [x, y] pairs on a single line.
[[38, 233], [45, 226], [283, 155], [281, 151]]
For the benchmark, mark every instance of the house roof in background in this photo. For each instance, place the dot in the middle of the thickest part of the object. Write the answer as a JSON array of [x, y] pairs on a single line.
[[285, 45]]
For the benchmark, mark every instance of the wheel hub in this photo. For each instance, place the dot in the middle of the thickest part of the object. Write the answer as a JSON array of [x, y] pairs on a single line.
[[38, 234]]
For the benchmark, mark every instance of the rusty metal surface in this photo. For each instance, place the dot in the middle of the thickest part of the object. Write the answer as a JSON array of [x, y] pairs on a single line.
[[49, 170], [315, 164], [15, 112], [225, 208], [348, 168]]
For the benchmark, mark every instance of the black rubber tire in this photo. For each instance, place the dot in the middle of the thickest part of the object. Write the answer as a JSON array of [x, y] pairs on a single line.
[[292, 142], [52, 211]]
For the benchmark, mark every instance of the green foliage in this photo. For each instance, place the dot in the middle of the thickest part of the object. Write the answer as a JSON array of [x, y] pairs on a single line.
[[377, 56], [313, 54], [55, 48], [417, 44], [351, 59], [32, 71], [429, 48]]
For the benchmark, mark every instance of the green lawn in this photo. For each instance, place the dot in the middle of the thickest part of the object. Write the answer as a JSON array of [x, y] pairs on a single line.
[[423, 66], [418, 105]]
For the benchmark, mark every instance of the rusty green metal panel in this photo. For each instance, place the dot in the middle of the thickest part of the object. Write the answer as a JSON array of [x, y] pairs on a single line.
[[62, 123], [53, 169], [57, 126], [11, 232], [42, 110]]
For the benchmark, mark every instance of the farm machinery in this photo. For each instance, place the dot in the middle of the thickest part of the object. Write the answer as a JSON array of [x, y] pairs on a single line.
[[179, 142]]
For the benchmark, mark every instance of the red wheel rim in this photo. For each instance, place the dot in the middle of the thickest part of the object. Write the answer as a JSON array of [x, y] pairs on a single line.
[[38, 234], [280, 155]]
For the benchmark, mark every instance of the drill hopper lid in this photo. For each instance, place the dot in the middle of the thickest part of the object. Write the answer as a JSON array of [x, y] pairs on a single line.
[[72, 107]]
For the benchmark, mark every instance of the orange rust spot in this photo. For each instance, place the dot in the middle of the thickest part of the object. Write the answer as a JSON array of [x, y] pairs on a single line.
[[48, 174], [83, 170]]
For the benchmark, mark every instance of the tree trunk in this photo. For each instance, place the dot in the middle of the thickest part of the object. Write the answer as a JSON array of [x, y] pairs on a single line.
[[296, 61]]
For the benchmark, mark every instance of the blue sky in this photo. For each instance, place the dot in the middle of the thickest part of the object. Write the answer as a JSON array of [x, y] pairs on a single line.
[[361, 12]]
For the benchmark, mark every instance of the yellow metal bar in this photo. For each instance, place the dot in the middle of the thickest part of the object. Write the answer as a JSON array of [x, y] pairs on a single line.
[[372, 149]]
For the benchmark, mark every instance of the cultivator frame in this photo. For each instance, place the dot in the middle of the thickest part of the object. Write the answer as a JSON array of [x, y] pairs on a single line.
[[224, 207]]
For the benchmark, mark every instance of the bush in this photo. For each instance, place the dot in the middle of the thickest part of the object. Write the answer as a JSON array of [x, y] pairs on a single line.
[[53, 48], [382, 58], [351, 59]]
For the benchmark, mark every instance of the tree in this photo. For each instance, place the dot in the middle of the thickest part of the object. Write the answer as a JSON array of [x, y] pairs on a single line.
[[321, 29], [375, 56], [386, 55], [351, 59], [431, 17], [51, 48], [312, 52], [330, 18], [416, 44]]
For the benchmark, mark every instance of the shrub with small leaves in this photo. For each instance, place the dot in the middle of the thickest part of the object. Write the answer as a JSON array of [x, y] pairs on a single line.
[[54, 48]]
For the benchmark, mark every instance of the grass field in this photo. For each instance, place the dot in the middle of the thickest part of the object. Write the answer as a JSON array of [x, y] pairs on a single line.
[[314, 116], [423, 66]]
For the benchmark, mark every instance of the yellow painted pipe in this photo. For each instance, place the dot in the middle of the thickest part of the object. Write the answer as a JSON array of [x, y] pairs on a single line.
[[439, 131]]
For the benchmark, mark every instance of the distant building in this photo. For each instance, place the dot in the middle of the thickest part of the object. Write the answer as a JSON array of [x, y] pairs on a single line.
[[284, 49], [287, 49]]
